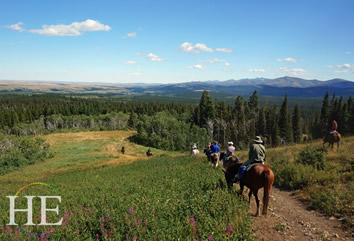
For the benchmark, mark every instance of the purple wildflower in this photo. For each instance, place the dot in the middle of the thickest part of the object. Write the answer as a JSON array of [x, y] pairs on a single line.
[[210, 238], [134, 239], [192, 220], [229, 229], [131, 210]]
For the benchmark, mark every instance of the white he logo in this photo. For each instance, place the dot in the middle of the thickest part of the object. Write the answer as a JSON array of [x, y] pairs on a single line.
[[44, 210]]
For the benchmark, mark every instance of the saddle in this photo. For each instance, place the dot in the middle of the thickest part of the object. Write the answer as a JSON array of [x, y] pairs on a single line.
[[243, 169]]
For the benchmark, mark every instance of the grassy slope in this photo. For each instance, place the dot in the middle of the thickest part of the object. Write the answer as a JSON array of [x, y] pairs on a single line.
[[330, 191], [150, 199]]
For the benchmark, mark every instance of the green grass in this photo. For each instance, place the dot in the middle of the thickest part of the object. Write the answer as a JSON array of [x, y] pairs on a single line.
[[151, 199], [326, 186]]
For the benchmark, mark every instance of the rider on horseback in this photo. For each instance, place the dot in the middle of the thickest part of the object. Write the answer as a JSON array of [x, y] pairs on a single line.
[[256, 154], [334, 127], [215, 148], [229, 152]]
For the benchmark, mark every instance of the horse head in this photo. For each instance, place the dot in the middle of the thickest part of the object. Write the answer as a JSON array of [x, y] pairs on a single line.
[[230, 173]]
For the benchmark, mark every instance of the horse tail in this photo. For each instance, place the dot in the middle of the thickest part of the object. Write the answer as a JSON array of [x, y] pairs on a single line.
[[268, 182]]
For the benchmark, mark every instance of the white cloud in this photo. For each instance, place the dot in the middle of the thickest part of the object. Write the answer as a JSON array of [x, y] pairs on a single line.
[[197, 48], [196, 66], [287, 60], [348, 53], [16, 26], [74, 29], [292, 71], [227, 64], [130, 35], [342, 66], [256, 70], [342, 71], [211, 61], [225, 50], [130, 62], [136, 74], [154, 57]]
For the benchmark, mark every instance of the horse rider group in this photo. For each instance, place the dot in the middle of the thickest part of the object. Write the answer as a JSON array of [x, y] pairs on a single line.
[[256, 154]]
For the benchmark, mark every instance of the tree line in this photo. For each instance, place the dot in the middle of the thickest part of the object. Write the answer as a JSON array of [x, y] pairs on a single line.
[[175, 126], [246, 119]]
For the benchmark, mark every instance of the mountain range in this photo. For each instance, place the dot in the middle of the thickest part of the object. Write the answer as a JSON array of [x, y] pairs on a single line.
[[265, 87]]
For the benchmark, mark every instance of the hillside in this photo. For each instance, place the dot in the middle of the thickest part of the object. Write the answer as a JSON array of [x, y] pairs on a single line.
[[108, 195]]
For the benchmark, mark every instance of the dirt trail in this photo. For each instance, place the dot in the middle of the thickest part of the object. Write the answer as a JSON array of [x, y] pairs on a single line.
[[289, 219]]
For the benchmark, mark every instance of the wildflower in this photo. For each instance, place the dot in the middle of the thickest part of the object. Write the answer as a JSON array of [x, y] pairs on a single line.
[[210, 238], [229, 229], [131, 210], [102, 219], [134, 239], [192, 220]]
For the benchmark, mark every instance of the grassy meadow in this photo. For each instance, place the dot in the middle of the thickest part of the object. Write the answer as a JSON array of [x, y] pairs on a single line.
[[109, 196]]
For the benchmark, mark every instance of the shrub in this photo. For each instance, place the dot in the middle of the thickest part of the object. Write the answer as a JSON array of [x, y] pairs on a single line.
[[312, 157], [16, 152]]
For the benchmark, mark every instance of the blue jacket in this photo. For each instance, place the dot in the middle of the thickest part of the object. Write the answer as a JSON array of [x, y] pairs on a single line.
[[215, 148]]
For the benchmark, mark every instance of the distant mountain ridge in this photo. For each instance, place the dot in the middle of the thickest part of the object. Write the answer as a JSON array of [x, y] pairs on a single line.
[[285, 81], [269, 87], [266, 87]]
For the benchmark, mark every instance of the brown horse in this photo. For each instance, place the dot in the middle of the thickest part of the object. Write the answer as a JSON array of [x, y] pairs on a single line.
[[259, 176], [331, 139], [214, 159], [148, 153]]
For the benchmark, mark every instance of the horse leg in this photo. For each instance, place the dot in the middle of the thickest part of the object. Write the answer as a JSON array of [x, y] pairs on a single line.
[[249, 197], [255, 193], [241, 189]]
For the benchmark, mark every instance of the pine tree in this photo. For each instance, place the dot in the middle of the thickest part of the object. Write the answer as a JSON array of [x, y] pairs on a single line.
[[284, 122], [261, 125], [325, 112], [275, 133], [297, 133], [253, 102], [207, 112]]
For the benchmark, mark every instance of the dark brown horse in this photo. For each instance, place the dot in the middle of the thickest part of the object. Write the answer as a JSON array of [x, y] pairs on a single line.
[[214, 159], [259, 176], [332, 138], [230, 160]]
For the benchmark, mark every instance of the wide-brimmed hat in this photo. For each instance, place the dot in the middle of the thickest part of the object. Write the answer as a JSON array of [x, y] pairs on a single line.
[[230, 143], [258, 139]]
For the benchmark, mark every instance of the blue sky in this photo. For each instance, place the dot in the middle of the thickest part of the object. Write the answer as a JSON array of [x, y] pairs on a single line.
[[175, 41]]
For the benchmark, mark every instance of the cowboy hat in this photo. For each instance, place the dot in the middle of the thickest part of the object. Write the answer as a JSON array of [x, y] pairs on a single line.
[[230, 143], [258, 139]]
